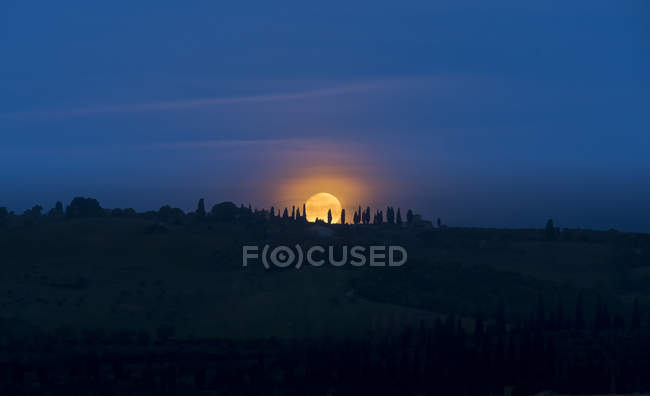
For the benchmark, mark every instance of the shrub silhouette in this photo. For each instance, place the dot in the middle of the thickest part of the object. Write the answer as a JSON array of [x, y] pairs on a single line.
[[225, 211], [34, 212], [56, 211], [84, 207], [168, 214]]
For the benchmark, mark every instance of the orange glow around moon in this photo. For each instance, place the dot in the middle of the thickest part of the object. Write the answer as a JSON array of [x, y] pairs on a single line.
[[318, 205]]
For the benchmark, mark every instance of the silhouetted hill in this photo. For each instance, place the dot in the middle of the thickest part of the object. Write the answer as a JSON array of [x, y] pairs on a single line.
[[121, 285]]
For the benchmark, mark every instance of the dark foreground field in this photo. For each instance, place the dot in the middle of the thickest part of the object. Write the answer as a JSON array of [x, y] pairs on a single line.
[[136, 305]]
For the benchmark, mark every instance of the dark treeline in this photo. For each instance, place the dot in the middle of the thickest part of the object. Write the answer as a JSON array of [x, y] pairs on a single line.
[[228, 212], [81, 207], [451, 355]]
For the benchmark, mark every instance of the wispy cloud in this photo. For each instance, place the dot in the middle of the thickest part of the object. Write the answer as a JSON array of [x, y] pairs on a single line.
[[205, 102]]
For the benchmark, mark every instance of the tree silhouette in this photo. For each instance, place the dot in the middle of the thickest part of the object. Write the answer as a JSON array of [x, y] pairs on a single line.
[[168, 214], [84, 207], [439, 222], [293, 212], [59, 208], [56, 211], [36, 211], [200, 210], [164, 213], [225, 212], [304, 211], [618, 323], [580, 314], [329, 216], [342, 216], [409, 216], [379, 217], [285, 214], [390, 215], [559, 315], [500, 317], [4, 216], [635, 323], [368, 215], [541, 313], [298, 217], [602, 320], [272, 213], [549, 231]]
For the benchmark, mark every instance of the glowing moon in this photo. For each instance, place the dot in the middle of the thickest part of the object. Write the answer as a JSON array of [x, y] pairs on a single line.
[[318, 204]]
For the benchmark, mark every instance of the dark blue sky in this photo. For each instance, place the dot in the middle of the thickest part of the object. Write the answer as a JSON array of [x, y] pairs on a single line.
[[489, 115]]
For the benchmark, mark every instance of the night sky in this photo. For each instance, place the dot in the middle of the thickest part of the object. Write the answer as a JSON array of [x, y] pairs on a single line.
[[484, 115]]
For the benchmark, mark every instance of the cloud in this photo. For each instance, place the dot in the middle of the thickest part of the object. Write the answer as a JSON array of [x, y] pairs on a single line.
[[206, 102]]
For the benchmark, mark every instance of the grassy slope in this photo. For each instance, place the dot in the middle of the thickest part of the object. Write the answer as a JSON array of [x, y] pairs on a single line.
[[112, 274]]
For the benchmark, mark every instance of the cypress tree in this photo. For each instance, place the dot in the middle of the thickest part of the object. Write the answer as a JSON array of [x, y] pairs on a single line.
[[58, 210], [580, 315], [501, 317], [390, 215], [541, 314], [559, 315], [635, 323], [601, 321], [200, 210], [549, 231]]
